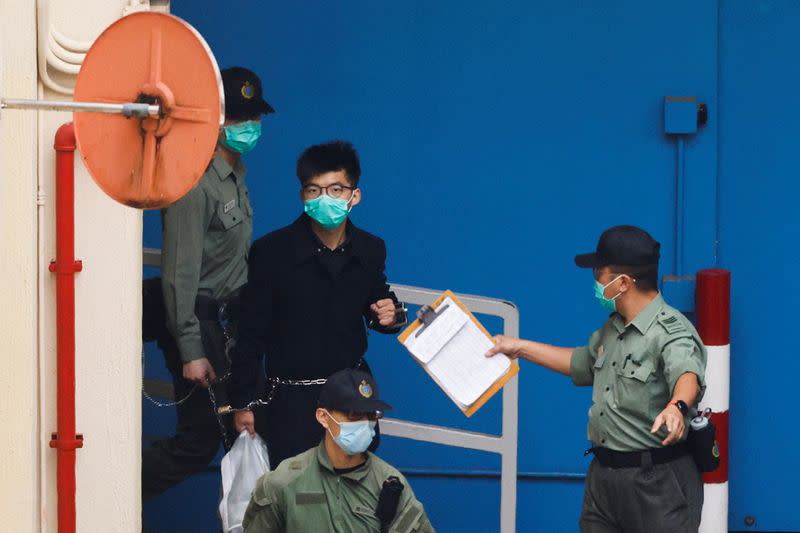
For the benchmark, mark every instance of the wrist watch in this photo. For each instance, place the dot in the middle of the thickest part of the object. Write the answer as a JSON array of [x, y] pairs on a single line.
[[681, 405]]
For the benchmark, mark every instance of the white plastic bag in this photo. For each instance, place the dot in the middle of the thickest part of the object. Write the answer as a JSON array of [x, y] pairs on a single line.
[[241, 467]]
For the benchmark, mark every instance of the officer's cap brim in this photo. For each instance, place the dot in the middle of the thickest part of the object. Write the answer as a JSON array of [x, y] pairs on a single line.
[[363, 405], [266, 109], [591, 260], [238, 111]]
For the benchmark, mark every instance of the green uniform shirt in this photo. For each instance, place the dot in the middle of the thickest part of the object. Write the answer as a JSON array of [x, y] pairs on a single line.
[[206, 240], [305, 494], [633, 370]]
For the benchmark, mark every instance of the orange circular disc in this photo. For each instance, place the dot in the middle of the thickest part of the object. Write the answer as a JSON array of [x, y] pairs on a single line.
[[159, 59]]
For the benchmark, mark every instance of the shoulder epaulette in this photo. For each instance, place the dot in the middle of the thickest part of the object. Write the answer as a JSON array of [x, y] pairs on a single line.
[[672, 323]]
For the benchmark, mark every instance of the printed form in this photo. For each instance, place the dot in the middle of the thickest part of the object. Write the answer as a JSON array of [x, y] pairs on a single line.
[[452, 348]]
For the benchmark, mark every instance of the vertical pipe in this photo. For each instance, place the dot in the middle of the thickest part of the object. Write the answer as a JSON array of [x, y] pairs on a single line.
[[65, 440], [510, 428], [680, 204], [713, 324]]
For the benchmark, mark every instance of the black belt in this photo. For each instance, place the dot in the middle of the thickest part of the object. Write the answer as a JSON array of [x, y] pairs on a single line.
[[654, 456]]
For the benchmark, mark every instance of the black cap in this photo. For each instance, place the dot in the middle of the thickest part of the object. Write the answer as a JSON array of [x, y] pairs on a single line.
[[622, 246], [243, 96], [352, 391]]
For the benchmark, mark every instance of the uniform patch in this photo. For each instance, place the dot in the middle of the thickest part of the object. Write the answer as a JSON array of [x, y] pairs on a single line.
[[305, 498], [228, 206], [672, 324], [364, 389], [409, 520], [715, 450]]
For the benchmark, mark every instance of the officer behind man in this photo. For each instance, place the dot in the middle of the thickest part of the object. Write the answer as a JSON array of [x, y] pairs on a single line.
[[206, 237], [338, 486], [314, 287], [646, 365]]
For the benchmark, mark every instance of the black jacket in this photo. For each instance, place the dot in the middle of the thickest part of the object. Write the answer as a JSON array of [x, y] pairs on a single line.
[[306, 310]]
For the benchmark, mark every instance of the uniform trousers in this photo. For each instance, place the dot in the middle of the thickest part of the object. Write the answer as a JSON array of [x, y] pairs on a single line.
[[198, 434], [652, 498]]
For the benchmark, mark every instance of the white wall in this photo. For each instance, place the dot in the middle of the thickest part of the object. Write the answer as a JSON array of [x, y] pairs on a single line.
[[108, 240], [19, 436], [108, 302]]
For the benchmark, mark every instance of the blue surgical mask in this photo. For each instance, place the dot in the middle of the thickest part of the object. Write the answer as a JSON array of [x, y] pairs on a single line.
[[242, 137], [609, 304], [329, 212], [354, 437]]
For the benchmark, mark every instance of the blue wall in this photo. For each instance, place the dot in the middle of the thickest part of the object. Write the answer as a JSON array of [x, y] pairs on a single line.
[[759, 165], [521, 129]]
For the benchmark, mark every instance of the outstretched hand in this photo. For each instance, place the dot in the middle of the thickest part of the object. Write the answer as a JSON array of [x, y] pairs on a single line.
[[509, 346]]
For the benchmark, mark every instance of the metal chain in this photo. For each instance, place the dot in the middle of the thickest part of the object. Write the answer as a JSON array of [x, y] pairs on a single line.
[[217, 414], [300, 382], [163, 404], [274, 383], [167, 404], [228, 346]]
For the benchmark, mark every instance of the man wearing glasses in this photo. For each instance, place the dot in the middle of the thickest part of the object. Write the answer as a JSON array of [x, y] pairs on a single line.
[[313, 289], [337, 485]]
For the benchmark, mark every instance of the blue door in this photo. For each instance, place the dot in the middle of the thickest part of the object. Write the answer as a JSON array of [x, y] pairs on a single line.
[[497, 140]]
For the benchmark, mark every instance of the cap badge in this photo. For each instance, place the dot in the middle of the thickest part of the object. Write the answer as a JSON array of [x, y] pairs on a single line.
[[365, 389], [248, 91]]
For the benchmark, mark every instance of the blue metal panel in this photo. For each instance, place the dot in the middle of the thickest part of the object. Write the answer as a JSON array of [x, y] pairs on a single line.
[[521, 130], [759, 229]]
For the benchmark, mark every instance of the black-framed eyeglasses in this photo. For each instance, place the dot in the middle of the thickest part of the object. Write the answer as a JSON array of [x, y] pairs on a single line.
[[334, 191]]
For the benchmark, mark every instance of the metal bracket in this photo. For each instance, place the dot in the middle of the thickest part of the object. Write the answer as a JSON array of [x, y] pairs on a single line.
[[129, 109], [427, 315]]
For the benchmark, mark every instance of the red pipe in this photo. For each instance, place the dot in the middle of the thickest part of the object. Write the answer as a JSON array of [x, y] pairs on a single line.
[[65, 440]]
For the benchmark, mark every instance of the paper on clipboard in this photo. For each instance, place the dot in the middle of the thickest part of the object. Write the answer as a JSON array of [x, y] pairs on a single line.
[[452, 348]]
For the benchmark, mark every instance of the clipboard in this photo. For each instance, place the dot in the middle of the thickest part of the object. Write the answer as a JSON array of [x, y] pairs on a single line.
[[428, 316]]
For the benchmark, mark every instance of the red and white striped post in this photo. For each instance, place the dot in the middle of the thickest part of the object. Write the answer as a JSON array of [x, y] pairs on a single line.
[[713, 306]]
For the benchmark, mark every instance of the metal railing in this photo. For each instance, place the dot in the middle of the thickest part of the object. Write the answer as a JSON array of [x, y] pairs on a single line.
[[504, 444]]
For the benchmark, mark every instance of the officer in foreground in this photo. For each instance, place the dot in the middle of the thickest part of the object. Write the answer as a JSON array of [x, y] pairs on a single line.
[[646, 366], [338, 486], [206, 238]]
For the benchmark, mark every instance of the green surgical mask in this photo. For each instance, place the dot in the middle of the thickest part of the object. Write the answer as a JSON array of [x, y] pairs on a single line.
[[242, 137], [609, 304], [329, 212]]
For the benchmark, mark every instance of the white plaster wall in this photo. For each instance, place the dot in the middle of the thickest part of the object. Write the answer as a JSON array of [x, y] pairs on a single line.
[[108, 301], [19, 430], [108, 240]]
